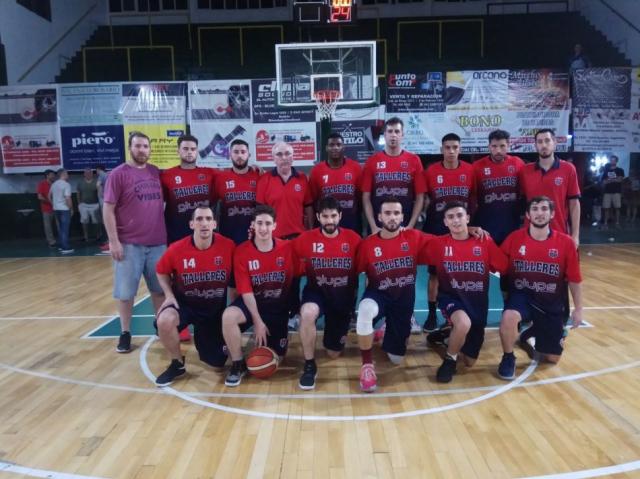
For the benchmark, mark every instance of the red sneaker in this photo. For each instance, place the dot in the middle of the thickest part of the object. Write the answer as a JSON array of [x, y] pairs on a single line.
[[185, 335]]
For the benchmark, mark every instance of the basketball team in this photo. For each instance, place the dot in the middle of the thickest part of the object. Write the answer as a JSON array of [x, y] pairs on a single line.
[[241, 239]]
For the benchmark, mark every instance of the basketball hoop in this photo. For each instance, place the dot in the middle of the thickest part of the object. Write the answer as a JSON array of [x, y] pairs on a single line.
[[327, 102]]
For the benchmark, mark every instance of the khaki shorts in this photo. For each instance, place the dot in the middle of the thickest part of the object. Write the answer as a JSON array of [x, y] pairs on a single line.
[[612, 199], [89, 213]]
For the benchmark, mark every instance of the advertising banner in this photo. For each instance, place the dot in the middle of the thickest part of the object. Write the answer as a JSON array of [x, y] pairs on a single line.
[[360, 130], [220, 112], [91, 125], [159, 111], [29, 133], [415, 92]]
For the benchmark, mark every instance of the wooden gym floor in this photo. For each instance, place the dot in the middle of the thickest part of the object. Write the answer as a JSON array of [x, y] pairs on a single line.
[[73, 408]]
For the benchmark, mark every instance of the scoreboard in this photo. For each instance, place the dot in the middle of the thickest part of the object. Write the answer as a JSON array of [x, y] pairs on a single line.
[[319, 12]]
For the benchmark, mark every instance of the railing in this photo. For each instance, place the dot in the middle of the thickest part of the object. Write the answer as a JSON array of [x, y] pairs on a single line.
[[620, 16], [241, 30], [527, 5], [57, 42], [149, 15], [128, 49], [440, 23]]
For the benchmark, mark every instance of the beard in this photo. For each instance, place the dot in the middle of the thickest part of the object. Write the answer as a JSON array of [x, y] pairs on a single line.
[[241, 165], [540, 225], [391, 227], [329, 229], [140, 159]]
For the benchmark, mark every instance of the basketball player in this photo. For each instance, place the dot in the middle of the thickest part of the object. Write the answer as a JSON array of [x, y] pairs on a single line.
[[463, 263], [133, 218], [328, 254], [396, 172], [264, 270], [496, 177], [185, 187], [339, 177], [541, 259], [235, 188], [446, 181], [194, 274], [390, 259]]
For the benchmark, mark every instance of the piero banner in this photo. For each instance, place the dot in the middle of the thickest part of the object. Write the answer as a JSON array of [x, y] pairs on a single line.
[[606, 109], [474, 103], [29, 130]]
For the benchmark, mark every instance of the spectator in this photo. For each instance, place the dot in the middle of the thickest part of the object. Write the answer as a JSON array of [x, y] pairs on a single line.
[[45, 206], [578, 59], [612, 178]]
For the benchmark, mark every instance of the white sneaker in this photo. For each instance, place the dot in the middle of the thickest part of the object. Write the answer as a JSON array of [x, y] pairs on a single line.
[[415, 327], [294, 323]]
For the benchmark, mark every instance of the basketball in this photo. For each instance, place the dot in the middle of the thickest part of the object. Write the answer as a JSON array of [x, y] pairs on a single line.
[[262, 362]]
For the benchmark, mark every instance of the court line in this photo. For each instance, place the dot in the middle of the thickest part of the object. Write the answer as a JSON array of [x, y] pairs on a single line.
[[373, 417], [115, 316], [29, 471], [600, 471]]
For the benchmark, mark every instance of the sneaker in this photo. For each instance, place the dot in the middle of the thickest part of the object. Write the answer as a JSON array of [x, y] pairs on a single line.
[[309, 374], [175, 370], [67, 251], [294, 322], [431, 324], [415, 327], [235, 374], [446, 370], [528, 346], [507, 367], [124, 343], [368, 378], [378, 334], [439, 337], [185, 335]]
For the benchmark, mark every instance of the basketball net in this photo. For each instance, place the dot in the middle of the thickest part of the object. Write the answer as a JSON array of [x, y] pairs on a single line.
[[327, 102]]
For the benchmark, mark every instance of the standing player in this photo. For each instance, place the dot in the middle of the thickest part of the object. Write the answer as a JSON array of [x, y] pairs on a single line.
[[339, 177], [185, 187], [541, 260], [328, 255], [550, 176], [497, 192], [134, 222], [235, 188], [463, 264], [395, 172], [264, 269], [446, 181], [194, 274], [390, 259]]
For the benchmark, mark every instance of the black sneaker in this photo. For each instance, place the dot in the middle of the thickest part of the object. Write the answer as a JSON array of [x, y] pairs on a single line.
[[124, 343], [431, 324], [235, 374], [439, 337], [446, 370], [309, 374], [507, 367], [527, 342], [175, 370]]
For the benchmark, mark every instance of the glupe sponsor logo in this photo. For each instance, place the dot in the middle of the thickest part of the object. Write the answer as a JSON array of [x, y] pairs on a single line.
[[95, 138]]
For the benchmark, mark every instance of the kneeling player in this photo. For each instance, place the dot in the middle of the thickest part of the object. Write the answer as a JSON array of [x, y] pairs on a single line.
[[194, 274], [541, 260], [390, 259], [264, 269], [328, 256], [462, 264]]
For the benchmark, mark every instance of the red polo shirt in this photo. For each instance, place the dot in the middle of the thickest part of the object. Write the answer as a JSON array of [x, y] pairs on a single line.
[[560, 183], [288, 199]]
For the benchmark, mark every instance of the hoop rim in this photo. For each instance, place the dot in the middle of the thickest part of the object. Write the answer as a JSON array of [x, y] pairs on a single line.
[[326, 96]]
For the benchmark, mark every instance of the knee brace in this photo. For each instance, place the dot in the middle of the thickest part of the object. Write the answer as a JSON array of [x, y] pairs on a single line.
[[367, 311]]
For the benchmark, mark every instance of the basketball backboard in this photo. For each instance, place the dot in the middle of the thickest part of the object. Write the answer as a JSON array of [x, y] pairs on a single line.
[[305, 68]]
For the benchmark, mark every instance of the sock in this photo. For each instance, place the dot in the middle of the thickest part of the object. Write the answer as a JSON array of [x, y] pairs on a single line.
[[432, 307], [308, 362], [508, 355], [367, 356]]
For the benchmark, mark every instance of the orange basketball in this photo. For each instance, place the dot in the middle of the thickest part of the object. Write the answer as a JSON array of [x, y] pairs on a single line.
[[262, 362]]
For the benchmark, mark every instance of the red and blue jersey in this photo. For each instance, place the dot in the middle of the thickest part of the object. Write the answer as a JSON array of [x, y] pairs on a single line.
[[329, 264], [560, 183], [498, 196], [463, 268], [391, 264], [343, 184], [267, 274], [237, 195], [540, 268], [199, 277], [184, 190], [445, 185], [399, 176]]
